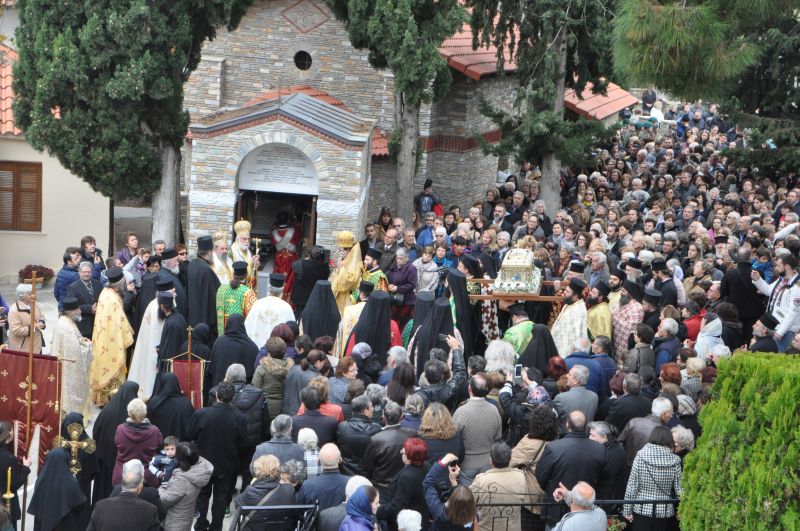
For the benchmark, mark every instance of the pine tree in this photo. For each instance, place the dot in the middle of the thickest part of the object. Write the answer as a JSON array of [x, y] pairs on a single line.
[[556, 45], [404, 36], [100, 86]]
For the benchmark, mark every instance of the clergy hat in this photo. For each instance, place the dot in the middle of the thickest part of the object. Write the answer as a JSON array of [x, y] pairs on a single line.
[[166, 298], [633, 289], [577, 267], [603, 287], [659, 265], [164, 284], [366, 287], [240, 268], [204, 243], [767, 320], [720, 239], [169, 253], [276, 280], [634, 263], [653, 296], [620, 274], [577, 285], [70, 303], [374, 254], [114, 274], [517, 308], [428, 183]]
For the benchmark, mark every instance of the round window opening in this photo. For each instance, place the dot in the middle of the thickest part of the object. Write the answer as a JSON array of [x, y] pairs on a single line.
[[302, 60]]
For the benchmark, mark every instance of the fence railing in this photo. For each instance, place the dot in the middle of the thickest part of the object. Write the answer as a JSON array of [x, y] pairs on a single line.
[[279, 517]]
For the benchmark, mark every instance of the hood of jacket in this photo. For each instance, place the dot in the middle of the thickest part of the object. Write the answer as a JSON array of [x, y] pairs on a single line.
[[139, 432], [712, 329], [246, 395], [276, 367], [199, 475], [658, 456]]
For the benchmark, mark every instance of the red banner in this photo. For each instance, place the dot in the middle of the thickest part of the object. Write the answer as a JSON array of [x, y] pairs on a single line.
[[192, 390], [44, 398]]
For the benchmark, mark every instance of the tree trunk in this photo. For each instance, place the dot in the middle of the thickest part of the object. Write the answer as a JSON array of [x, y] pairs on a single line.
[[407, 120], [165, 200], [551, 166]]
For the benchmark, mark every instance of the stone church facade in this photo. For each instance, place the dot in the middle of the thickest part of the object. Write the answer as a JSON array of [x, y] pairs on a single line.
[[286, 114]]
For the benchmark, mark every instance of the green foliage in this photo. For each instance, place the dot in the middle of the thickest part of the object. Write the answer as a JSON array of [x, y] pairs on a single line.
[[530, 32], [100, 84], [745, 471], [404, 36]]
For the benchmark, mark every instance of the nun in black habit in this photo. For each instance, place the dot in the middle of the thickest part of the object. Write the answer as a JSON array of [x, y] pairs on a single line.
[[58, 503], [422, 307], [466, 321], [103, 433], [88, 461], [173, 334], [201, 342], [233, 347], [169, 410], [437, 324], [321, 314], [374, 326], [539, 350]]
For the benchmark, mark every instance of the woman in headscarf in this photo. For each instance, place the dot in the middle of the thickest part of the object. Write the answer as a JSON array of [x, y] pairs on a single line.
[[104, 431], [169, 410], [375, 327], [201, 342], [233, 347], [58, 504], [540, 349], [438, 324], [422, 307], [462, 310], [360, 510], [87, 461], [321, 315]]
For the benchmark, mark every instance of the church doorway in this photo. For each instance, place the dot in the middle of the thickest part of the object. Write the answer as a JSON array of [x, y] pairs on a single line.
[[262, 210]]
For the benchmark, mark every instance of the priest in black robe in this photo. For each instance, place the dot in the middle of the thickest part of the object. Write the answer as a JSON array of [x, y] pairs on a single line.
[[321, 317], [203, 285], [169, 410], [58, 501], [171, 270], [437, 324], [173, 333], [763, 330], [235, 346]]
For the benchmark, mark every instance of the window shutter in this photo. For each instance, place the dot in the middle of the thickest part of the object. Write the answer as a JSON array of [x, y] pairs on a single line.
[[29, 212], [6, 196]]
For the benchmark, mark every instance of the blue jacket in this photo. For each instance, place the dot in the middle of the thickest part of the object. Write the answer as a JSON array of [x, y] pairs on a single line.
[[596, 383], [666, 351], [64, 278], [608, 366]]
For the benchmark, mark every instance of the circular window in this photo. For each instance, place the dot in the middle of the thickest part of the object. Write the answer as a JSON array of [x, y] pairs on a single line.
[[302, 60]]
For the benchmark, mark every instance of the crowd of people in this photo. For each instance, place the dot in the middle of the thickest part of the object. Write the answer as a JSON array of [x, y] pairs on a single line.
[[371, 384]]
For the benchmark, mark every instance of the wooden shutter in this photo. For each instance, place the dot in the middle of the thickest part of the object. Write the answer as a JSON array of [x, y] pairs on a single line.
[[20, 196]]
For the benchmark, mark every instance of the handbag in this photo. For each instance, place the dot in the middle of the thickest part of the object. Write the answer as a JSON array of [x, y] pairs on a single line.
[[263, 501]]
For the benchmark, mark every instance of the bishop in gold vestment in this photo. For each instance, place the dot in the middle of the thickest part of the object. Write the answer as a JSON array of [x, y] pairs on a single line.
[[347, 269], [572, 321]]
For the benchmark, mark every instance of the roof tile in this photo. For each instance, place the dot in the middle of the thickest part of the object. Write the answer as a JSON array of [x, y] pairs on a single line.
[[597, 106], [7, 58]]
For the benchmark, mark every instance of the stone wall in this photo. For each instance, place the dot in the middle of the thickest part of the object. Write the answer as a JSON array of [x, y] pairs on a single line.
[[382, 189]]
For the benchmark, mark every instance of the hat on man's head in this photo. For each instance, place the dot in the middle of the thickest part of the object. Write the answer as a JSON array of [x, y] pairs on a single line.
[[70, 303], [769, 322], [659, 265], [164, 283], [577, 267], [374, 254], [653, 296], [167, 298], [633, 289], [722, 238], [428, 183], [517, 308], [603, 287], [169, 253], [239, 268], [620, 274], [366, 287], [114, 274], [635, 263], [204, 243], [276, 280], [345, 239], [577, 286]]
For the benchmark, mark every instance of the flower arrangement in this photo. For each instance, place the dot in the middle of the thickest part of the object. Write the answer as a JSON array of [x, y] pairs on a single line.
[[45, 273]]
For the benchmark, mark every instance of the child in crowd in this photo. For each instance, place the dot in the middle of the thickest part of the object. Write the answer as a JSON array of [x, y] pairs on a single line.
[[164, 462]]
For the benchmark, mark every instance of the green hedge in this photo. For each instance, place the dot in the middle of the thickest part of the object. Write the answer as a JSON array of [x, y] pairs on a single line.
[[745, 471]]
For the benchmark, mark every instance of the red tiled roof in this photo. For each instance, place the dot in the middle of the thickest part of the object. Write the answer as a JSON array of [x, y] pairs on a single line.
[[7, 58], [380, 143], [475, 64], [305, 89], [597, 106]]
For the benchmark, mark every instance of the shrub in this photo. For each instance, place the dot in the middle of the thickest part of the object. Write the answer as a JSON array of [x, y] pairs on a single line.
[[745, 471], [42, 272]]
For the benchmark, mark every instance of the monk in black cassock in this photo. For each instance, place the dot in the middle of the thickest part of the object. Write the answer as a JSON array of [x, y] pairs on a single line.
[[233, 347], [58, 503], [88, 461], [467, 322], [763, 330], [321, 316], [103, 433], [439, 321], [169, 410], [202, 287], [201, 342], [171, 270], [173, 333], [539, 350], [19, 471]]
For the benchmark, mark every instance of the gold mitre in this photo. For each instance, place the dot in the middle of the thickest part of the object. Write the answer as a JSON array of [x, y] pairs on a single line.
[[345, 239], [219, 237], [242, 227]]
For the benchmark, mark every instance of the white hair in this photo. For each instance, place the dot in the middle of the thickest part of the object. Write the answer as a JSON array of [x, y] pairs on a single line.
[[601, 256], [137, 410], [132, 475], [85, 265], [440, 231], [353, 483], [235, 373], [660, 406], [399, 354], [408, 520], [683, 437], [580, 501], [500, 356], [504, 234], [646, 256], [721, 351], [670, 326], [307, 438], [401, 251], [582, 344], [22, 290], [581, 374]]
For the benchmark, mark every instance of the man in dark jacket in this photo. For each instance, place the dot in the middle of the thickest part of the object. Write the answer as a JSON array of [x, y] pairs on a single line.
[[126, 511], [87, 290], [630, 405], [738, 288], [220, 432], [597, 382], [323, 426], [615, 473], [306, 273], [382, 459], [569, 460], [353, 435], [281, 445], [327, 489], [439, 390], [662, 281], [666, 344], [67, 274]]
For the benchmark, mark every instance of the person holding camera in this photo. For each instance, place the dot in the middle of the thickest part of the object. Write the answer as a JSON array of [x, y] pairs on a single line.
[[458, 511]]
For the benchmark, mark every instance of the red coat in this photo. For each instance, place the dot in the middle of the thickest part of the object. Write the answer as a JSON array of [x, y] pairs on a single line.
[[693, 324], [136, 441]]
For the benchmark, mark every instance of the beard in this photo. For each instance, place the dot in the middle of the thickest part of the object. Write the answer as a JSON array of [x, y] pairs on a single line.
[[76, 317], [592, 301], [174, 270], [162, 315], [568, 299]]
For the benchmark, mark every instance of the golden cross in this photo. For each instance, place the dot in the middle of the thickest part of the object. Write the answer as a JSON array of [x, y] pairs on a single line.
[[75, 445]]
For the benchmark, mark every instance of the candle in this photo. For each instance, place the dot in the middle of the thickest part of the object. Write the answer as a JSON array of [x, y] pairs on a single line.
[[8, 482]]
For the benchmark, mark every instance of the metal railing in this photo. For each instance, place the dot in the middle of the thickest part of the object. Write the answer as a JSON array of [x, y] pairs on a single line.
[[279, 517]]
